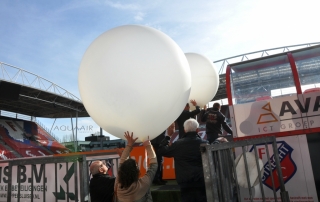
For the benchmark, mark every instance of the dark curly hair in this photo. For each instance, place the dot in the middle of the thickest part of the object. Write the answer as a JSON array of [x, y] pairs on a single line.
[[128, 173]]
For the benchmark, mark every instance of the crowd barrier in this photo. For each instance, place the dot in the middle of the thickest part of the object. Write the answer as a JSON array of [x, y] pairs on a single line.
[[60, 177], [243, 178]]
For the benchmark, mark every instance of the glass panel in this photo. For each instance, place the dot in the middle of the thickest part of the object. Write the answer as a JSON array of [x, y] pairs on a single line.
[[262, 79], [308, 66]]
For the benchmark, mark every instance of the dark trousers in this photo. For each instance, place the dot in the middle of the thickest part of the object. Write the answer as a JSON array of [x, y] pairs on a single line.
[[181, 133], [211, 137], [158, 175], [193, 194]]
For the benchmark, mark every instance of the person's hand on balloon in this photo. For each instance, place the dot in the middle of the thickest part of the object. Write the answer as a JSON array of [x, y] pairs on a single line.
[[146, 142], [193, 102], [171, 129], [131, 140]]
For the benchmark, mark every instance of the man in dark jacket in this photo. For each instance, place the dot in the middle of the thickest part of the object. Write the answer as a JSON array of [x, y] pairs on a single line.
[[101, 184], [185, 115], [214, 120], [187, 162], [155, 144]]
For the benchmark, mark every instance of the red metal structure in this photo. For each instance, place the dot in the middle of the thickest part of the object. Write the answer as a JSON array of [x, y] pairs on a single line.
[[279, 96], [254, 80]]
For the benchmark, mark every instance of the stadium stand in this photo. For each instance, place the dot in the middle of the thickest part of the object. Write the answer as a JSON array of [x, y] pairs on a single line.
[[7, 152], [43, 138], [27, 139]]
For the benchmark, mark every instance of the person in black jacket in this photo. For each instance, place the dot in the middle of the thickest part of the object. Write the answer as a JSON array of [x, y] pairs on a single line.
[[155, 144], [185, 115], [214, 120], [187, 161], [101, 183]]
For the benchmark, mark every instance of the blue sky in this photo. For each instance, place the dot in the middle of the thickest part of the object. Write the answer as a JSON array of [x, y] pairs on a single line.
[[49, 38]]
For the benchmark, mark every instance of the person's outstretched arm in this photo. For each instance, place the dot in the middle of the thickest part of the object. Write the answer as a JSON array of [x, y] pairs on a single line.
[[226, 127], [196, 111], [166, 149], [126, 152], [150, 152], [147, 179]]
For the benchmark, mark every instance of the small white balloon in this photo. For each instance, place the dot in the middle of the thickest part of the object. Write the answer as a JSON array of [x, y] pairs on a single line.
[[134, 78], [205, 78]]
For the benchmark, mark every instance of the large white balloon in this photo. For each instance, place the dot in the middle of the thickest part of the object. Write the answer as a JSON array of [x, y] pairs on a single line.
[[134, 78], [205, 78]]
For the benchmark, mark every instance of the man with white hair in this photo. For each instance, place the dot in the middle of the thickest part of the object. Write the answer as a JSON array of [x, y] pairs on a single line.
[[187, 161]]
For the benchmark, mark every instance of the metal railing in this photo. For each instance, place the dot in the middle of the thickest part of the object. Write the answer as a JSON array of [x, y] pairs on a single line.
[[223, 63], [50, 178], [222, 171], [16, 115], [17, 75]]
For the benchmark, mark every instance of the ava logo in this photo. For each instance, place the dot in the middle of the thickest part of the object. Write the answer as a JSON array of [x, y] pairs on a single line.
[[288, 166], [267, 117]]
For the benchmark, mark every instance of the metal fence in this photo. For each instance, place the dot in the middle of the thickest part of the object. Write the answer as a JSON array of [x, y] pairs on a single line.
[[50, 178], [222, 171]]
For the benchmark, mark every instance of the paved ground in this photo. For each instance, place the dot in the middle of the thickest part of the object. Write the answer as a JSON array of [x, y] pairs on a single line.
[[170, 186], [169, 192]]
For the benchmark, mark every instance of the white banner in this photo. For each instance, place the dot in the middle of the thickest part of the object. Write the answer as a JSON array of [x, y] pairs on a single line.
[[41, 184], [280, 114]]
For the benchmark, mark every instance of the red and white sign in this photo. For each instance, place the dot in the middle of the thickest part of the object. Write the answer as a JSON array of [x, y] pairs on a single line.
[[296, 171]]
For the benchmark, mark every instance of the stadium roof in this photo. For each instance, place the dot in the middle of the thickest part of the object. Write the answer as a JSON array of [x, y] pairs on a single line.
[[25, 93], [223, 63]]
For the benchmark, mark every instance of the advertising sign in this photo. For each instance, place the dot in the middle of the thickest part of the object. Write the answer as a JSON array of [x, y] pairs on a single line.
[[296, 171], [276, 115], [41, 181]]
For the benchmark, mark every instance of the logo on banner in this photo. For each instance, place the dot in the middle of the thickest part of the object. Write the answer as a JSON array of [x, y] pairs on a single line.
[[267, 117], [61, 195], [288, 166]]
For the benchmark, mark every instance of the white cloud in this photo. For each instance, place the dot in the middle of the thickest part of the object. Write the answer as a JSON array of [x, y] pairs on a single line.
[[121, 6], [139, 16]]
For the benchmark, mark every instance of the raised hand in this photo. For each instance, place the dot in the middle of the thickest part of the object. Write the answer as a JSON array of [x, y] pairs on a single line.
[[194, 103], [146, 142], [131, 140]]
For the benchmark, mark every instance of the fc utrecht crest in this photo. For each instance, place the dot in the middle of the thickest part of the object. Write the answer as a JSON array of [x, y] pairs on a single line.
[[288, 166]]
